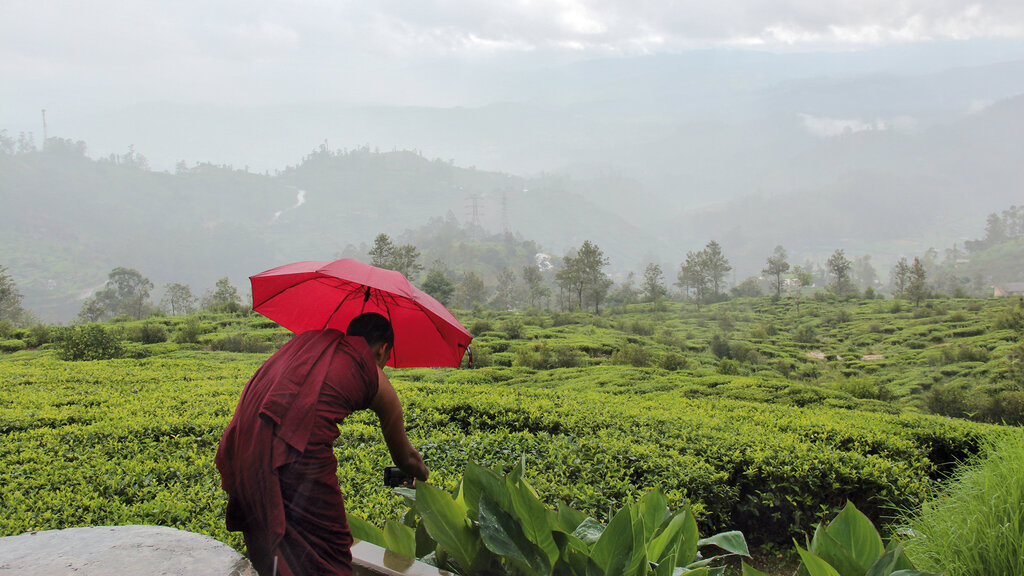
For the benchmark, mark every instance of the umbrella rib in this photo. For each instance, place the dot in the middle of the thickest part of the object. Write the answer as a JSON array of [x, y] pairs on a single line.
[[338, 307]]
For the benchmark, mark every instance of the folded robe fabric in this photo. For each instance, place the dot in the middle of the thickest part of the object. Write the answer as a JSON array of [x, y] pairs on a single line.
[[275, 458]]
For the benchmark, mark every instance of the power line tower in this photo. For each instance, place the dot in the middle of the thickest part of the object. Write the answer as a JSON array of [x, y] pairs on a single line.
[[474, 215]]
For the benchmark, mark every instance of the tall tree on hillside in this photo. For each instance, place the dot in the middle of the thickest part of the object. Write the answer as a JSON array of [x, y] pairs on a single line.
[[839, 273], [777, 266], [383, 252], [900, 277], [803, 278], [438, 283], [470, 290], [592, 263], [536, 290], [917, 285], [406, 260], [863, 272], [125, 292], [693, 277], [10, 298], [224, 298], [504, 294], [653, 286], [570, 280], [178, 299], [716, 265]]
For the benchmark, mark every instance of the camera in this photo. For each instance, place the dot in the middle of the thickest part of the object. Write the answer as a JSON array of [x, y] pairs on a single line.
[[394, 477]]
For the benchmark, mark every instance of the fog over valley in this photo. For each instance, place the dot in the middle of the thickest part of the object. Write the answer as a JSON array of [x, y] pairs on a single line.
[[196, 142]]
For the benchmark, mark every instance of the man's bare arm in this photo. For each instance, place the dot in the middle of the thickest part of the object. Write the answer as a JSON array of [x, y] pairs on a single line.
[[392, 425]]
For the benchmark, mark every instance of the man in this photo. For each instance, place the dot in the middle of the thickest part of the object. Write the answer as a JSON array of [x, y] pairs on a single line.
[[276, 457]]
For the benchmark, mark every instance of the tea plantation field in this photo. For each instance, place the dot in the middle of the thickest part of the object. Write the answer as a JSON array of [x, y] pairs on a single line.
[[763, 417]]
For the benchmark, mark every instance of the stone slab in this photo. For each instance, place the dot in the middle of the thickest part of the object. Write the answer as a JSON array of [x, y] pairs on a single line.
[[118, 550]]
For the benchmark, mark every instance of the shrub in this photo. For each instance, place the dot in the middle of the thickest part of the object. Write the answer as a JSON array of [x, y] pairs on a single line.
[[189, 331], [88, 342], [38, 335], [862, 387], [632, 354], [975, 525], [513, 328], [674, 361], [719, 346], [481, 326], [805, 334], [537, 355], [11, 345], [728, 366], [148, 333], [569, 357], [1012, 319]]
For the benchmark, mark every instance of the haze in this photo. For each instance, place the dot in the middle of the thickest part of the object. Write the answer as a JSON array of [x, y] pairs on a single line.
[[680, 121]]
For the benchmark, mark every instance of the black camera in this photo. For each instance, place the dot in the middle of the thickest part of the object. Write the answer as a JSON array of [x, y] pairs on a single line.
[[393, 476]]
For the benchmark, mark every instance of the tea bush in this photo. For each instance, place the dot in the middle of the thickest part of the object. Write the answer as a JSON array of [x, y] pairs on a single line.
[[88, 342]]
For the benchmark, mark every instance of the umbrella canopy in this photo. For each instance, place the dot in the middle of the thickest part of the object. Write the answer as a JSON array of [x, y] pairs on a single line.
[[315, 295]]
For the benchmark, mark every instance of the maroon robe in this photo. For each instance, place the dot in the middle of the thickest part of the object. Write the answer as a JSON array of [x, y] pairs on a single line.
[[276, 458]]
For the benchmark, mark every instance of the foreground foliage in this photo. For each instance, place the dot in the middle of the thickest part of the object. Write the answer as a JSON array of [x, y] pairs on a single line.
[[495, 525], [974, 526]]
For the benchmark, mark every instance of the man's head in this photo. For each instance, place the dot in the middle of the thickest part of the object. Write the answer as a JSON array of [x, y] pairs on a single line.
[[378, 333]]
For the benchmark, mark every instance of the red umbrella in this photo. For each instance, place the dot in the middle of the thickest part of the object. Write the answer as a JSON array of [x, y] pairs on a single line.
[[314, 295]]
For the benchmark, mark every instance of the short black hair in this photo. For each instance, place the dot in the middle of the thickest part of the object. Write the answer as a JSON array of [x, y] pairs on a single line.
[[373, 327]]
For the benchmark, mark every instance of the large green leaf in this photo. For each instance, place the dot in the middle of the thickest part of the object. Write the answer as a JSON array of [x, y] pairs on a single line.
[[638, 560], [568, 519], [838, 556], [853, 530], [532, 515], [915, 573], [666, 558], [885, 564], [669, 538], [424, 543], [400, 538], [614, 549], [503, 536], [732, 542], [447, 524], [653, 508], [478, 480], [363, 530], [814, 565]]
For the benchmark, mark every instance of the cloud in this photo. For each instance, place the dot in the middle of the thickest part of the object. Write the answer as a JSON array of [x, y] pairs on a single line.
[[826, 127]]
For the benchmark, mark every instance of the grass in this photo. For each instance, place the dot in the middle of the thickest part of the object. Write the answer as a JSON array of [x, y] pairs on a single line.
[[975, 526]]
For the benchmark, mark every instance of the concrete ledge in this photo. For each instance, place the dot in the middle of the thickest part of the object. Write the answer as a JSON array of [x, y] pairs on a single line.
[[371, 560], [118, 550]]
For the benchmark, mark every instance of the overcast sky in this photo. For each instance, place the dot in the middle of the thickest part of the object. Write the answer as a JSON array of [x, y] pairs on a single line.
[[259, 52]]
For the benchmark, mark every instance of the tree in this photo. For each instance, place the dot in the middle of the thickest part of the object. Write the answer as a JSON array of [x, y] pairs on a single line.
[[839, 273], [863, 272], [592, 262], [917, 288], [405, 259], [749, 288], [470, 290], [653, 288], [536, 289], [716, 265], [504, 296], [178, 299], [383, 252], [900, 276], [777, 266], [803, 278], [10, 299], [570, 278], [125, 292], [224, 298], [693, 277], [439, 284]]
